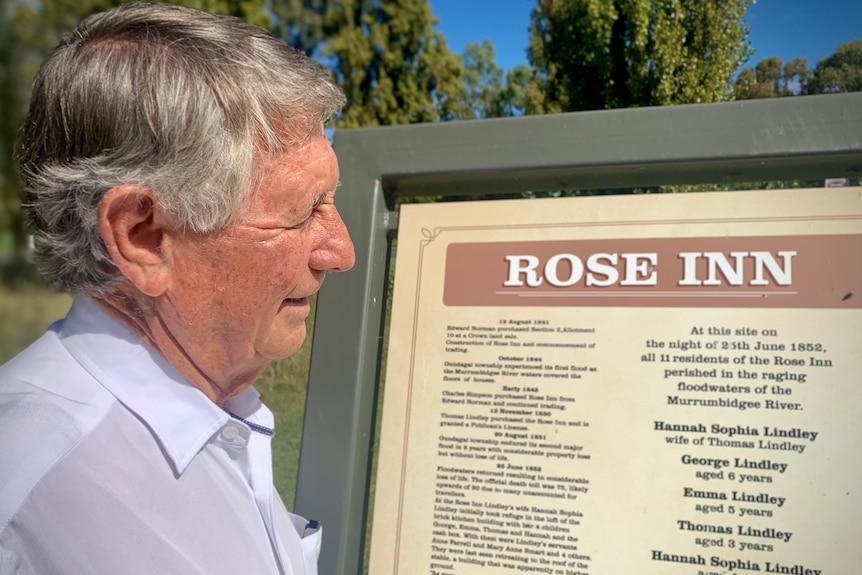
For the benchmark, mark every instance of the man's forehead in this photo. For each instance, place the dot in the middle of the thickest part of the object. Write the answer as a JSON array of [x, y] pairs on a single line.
[[302, 175]]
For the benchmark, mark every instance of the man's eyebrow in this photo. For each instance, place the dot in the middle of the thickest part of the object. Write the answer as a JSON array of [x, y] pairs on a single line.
[[329, 193]]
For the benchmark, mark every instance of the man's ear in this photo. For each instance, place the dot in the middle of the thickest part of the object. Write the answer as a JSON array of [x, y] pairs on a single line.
[[134, 230]]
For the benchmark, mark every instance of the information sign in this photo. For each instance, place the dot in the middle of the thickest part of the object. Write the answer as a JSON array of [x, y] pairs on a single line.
[[657, 384]]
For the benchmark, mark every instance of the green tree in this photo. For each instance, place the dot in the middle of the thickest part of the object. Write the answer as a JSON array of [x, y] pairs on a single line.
[[12, 94], [797, 77], [768, 71], [488, 91], [762, 81], [840, 72], [27, 32], [393, 66], [595, 54], [771, 78], [746, 86], [299, 23]]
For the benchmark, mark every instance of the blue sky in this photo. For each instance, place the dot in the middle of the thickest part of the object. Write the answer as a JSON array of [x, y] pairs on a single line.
[[812, 29]]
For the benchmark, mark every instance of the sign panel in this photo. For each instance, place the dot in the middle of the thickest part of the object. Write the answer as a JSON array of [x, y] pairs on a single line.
[[657, 384]]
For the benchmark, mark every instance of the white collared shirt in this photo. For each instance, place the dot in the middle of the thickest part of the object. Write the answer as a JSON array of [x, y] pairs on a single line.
[[111, 462]]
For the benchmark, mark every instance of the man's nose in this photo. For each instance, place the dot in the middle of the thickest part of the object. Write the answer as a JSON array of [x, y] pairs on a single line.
[[336, 250]]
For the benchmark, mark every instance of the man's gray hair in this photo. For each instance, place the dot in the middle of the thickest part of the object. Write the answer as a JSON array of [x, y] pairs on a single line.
[[180, 101]]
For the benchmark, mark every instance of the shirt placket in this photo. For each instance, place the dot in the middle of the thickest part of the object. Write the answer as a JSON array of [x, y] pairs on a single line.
[[260, 454]]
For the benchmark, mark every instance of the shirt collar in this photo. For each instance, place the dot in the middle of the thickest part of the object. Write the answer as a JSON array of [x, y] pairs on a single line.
[[178, 414]]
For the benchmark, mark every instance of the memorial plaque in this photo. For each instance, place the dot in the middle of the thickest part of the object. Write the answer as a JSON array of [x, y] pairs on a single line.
[[656, 384]]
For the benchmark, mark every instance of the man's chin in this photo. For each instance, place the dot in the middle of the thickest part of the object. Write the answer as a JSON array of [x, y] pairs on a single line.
[[286, 346]]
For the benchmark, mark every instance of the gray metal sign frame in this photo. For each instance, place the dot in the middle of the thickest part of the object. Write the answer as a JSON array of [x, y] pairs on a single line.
[[804, 137]]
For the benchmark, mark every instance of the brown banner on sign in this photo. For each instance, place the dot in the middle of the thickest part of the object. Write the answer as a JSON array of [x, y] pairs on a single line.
[[762, 272]]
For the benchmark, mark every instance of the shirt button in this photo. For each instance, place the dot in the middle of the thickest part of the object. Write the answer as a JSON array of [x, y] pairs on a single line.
[[229, 433]]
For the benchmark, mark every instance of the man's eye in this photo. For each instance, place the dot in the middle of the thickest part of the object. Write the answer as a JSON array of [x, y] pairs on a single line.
[[306, 221], [315, 211]]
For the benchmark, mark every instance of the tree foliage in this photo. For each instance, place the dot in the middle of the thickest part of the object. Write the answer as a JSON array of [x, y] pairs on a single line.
[[27, 32], [393, 66], [595, 54], [840, 72], [299, 23], [770, 78], [489, 92], [11, 95]]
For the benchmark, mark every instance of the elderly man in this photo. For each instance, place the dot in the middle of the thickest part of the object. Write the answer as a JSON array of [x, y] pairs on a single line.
[[179, 182]]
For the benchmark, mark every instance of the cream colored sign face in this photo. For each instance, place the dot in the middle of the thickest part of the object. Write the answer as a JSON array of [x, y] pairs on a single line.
[[643, 384]]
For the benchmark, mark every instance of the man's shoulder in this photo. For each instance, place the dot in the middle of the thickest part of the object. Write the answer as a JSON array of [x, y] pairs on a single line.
[[48, 405], [45, 374]]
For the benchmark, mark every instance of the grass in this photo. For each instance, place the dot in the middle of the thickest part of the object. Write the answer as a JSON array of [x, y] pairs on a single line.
[[26, 310]]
